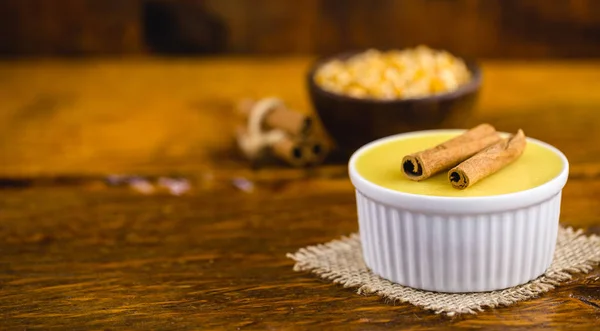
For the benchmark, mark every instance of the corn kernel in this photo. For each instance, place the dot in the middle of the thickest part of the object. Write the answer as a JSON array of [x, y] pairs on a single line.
[[395, 74], [436, 85]]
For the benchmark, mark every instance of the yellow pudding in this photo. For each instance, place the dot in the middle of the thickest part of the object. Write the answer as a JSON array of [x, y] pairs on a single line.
[[382, 165]]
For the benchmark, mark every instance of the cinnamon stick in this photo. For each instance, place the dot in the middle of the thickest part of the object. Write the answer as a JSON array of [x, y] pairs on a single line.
[[488, 161], [424, 164], [291, 151], [316, 149], [281, 117]]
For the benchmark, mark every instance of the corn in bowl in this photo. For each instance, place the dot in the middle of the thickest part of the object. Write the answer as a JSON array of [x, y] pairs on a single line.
[[396, 74]]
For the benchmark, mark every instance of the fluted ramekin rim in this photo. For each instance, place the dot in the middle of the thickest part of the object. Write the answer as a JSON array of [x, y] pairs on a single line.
[[456, 205]]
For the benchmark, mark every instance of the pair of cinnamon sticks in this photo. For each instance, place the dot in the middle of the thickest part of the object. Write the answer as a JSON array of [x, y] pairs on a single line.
[[471, 157], [284, 133]]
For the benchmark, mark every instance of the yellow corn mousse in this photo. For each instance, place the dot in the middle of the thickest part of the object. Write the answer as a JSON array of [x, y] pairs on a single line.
[[382, 165]]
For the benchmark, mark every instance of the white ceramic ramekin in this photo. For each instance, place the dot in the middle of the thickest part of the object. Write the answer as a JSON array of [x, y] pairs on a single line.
[[450, 244]]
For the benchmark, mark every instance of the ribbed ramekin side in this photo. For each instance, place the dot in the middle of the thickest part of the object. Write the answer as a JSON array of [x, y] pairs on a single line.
[[458, 253]]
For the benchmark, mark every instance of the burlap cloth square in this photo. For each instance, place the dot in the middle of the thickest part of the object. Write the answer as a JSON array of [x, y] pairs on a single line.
[[341, 261]]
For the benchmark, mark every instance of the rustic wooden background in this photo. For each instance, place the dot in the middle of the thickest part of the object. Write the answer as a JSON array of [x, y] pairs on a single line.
[[479, 28], [78, 254]]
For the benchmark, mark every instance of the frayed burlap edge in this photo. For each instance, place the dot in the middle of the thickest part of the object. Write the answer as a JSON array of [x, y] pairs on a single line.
[[341, 261]]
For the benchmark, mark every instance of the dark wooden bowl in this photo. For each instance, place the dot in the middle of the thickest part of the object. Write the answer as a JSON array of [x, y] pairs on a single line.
[[354, 122]]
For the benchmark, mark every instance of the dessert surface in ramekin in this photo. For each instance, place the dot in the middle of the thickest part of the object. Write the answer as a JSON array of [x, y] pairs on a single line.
[[442, 239]]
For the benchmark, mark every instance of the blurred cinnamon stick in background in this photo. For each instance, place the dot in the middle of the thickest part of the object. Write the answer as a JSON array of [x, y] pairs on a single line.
[[291, 151], [281, 117], [316, 150], [285, 134]]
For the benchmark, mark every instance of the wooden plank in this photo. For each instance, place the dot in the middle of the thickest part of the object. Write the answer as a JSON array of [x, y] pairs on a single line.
[[89, 258], [476, 28], [68, 27], [80, 253], [157, 115]]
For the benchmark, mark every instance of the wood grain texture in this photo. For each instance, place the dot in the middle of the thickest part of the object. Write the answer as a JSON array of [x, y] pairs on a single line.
[[477, 28], [80, 254], [70, 27]]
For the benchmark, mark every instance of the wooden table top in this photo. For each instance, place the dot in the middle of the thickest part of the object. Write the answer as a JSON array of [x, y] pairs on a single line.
[[79, 253]]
